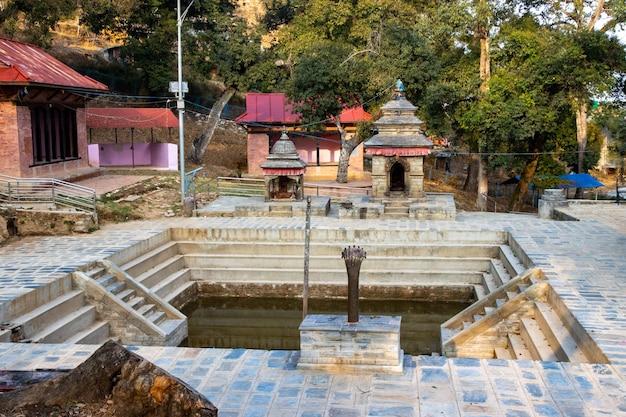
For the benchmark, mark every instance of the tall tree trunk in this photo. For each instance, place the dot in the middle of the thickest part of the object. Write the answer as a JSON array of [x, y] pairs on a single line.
[[518, 198], [485, 62], [581, 138], [200, 143], [483, 185], [345, 151], [471, 181], [485, 75]]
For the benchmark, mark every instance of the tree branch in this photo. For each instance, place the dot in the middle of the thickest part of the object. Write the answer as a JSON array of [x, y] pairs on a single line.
[[596, 15], [353, 54]]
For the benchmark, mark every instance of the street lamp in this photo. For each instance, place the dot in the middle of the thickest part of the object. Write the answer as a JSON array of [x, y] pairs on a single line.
[[180, 89]]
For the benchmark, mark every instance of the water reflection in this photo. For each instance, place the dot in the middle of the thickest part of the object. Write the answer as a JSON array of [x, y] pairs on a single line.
[[272, 323]]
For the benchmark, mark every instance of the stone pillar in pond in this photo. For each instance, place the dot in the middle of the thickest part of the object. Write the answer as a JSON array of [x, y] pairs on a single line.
[[353, 257], [339, 342]]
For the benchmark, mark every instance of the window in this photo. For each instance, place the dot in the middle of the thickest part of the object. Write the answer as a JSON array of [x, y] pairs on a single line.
[[55, 136]]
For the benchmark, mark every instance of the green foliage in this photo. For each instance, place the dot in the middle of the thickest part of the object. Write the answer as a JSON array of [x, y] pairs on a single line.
[[111, 210], [595, 138], [32, 20], [324, 82]]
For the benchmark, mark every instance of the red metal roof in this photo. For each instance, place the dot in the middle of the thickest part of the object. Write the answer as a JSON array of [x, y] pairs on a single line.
[[21, 63], [125, 117], [275, 108], [268, 108]]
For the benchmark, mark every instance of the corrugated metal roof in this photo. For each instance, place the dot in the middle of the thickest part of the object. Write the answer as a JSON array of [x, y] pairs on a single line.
[[268, 108], [129, 117], [21, 63], [274, 108]]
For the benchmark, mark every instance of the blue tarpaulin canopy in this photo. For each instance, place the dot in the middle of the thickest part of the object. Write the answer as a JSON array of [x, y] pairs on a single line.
[[570, 181], [580, 181]]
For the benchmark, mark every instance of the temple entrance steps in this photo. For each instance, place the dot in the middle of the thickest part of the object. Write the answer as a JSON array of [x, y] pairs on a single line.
[[522, 319], [396, 207], [136, 314], [60, 315]]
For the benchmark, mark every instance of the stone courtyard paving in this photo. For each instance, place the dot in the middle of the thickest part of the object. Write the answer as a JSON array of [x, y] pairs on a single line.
[[585, 262]]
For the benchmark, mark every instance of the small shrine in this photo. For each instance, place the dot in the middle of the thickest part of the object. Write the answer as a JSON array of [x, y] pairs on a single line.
[[398, 150], [284, 171]]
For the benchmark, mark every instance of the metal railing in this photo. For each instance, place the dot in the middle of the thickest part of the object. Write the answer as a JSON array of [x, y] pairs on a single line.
[[335, 191], [490, 201], [248, 187], [49, 192], [240, 187]]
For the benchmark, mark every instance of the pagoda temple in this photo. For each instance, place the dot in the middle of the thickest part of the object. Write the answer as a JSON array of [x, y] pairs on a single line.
[[398, 150]]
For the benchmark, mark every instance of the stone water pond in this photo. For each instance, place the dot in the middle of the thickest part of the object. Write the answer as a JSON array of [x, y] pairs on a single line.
[[272, 323]]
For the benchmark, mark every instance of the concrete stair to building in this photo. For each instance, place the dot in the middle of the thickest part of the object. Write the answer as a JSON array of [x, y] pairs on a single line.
[[67, 318], [128, 296], [502, 267], [163, 270], [396, 207]]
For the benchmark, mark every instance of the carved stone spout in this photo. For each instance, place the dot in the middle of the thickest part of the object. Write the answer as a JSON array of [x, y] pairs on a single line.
[[353, 257]]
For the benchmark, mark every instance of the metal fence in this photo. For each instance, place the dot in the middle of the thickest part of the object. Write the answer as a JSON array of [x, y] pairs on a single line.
[[47, 192], [248, 187], [240, 187]]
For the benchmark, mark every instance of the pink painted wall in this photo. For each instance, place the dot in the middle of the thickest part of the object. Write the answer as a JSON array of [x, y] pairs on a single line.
[[145, 154], [258, 149]]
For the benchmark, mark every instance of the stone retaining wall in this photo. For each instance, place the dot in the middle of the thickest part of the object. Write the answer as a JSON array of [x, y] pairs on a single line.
[[44, 223]]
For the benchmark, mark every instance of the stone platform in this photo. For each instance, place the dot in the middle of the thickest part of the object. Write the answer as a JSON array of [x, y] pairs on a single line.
[[258, 207], [329, 342], [432, 207]]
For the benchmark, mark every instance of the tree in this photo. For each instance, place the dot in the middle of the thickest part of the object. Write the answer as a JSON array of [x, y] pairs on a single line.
[[470, 24], [33, 20], [525, 108], [582, 18], [322, 86]]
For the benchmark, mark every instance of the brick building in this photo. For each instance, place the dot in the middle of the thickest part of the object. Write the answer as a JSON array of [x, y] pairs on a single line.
[[268, 114], [42, 113]]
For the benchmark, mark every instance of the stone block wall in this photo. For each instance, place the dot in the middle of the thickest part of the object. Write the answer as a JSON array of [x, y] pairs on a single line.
[[329, 342], [45, 223]]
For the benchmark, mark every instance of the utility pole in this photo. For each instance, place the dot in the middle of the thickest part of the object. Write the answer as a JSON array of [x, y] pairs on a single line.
[[180, 100]]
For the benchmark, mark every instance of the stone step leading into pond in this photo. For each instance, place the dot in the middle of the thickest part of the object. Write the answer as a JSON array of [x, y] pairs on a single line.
[[136, 314]]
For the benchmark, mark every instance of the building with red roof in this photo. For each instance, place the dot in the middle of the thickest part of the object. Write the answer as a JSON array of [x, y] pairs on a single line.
[[42, 113], [268, 113]]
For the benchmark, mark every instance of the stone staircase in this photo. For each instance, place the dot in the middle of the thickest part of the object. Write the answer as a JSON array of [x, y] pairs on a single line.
[[396, 207], [54, 315], [136, 314], [521, 319]]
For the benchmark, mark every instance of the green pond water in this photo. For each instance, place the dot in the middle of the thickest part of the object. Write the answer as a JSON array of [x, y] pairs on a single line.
[[272, 323]]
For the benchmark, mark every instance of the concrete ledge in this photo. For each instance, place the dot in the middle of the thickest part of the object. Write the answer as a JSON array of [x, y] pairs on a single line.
[[258, 207], [330, 342]]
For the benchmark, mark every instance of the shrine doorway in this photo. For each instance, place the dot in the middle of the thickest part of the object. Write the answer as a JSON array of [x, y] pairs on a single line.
[[396, 177]]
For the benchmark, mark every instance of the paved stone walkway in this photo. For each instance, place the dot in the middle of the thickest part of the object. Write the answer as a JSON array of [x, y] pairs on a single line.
[[584, 260]]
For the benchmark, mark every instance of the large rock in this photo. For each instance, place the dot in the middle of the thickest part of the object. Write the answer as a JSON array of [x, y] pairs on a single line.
[[131, 385]]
